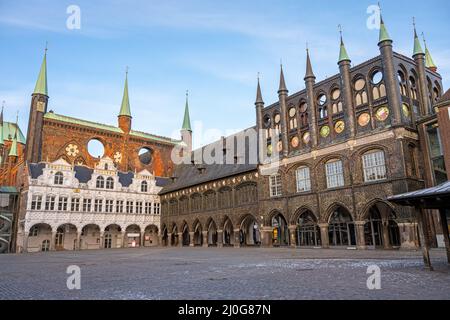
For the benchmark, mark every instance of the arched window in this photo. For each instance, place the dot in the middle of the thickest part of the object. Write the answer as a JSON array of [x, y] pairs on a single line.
[[402, 83], [209, 200], [335, 174], [308, 231], [303, 114], [303, 179], [361, 94], [100, 182], [110, 183], [225, 198], [293, 118], [144, 186], [275, 185], [374, 166], [413, 85], [341, 230], [246, 193], [59, 178], [277, 122]]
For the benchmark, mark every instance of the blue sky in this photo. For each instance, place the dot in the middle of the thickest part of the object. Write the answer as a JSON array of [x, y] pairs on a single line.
[[213, 48]]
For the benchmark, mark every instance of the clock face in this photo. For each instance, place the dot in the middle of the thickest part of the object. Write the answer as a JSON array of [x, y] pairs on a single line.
[[279, 146], [364, 119], [306, 137], [269, 150], [382, 114], [277, 118], [295, 142], [40, 106], [325, 131], [405, 109], [292, 112], [339, 126]]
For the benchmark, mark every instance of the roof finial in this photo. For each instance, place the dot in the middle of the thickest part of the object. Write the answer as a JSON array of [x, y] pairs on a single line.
[[46, 47], [3, 104], [424, 40], [340, 30], [258, 76]]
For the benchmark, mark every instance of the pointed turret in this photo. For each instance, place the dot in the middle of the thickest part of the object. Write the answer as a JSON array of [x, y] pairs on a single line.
[[187, 119], [429, 62], [417, 46], [41, 83], [282, 87], [125, 113], [343, 55], [309, 71], [1, 127], [259, 99], [13, 150], [384, 35]]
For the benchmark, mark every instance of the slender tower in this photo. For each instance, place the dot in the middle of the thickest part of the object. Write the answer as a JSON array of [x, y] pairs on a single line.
[[282, 95], [419, 58], [38, 108], [310, 80], [259, 103], [124, 116], [429, 62], [186, 129], [346, 84]]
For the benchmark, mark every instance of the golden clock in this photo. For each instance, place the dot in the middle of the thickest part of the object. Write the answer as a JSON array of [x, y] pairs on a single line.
[[40, 106], [295, 142], [306, 137], [382, 113], [339, 126], [325, 131], [364, 119]]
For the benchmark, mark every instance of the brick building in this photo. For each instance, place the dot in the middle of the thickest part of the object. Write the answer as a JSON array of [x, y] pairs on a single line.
[[328, 157]]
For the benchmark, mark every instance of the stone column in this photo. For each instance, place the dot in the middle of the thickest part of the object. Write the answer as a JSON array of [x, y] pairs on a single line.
[[102, 240], [360, 239], [52, 241], [266, 237], [220, 238], [142, 239], [124, 240], [293, 232], [386, 240], [25, 242], [180, 239], [423, 241], [444, 225], [78, 246], [169, 239], [205, 238], [191, 239], [324, 235], [237, 241]]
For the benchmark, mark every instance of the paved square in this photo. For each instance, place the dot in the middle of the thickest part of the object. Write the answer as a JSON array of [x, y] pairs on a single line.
[[228, 273]]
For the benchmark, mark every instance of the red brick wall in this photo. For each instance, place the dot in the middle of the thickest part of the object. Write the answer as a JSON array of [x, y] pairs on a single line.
[[444, 129]]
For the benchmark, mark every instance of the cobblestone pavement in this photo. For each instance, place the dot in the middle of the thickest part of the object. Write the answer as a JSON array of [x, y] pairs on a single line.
[[228, 273]]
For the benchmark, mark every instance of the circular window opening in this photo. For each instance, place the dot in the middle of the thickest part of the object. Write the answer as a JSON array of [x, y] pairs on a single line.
[[360, 84], [303, 107], [377, 76], [322, 99], [96, 148], [277, 119], [145, 155], [335, 94], [267, 121]]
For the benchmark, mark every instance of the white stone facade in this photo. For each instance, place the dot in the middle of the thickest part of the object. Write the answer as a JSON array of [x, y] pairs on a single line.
[[64, 213]]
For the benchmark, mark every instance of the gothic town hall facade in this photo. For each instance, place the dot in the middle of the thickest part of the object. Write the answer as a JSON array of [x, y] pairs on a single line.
[[315, 170]]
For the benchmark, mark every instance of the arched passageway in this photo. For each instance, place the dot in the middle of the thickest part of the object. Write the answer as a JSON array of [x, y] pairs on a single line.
[[132, 236], [228, 233], [90, 237], [381, 229], [39, 238], [249, 234], [341, 229], [112, 237], [212, 234], [280, 231], [174, 237], [186, 238], [151, 236], [198, 235], [66, 237], [308, 231]]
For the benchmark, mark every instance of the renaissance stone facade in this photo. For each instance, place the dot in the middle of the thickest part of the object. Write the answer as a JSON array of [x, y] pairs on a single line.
[[329, 157]]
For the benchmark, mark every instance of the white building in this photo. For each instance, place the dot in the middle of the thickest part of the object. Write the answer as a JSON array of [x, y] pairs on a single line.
[[71, 207]]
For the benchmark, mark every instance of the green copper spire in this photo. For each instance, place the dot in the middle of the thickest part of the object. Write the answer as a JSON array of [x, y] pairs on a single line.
[[1, 126], [41, 84], [429, 62], [13, 150], [417, 47], [343, 55], [125, 108], [384, 35], [187, 119]]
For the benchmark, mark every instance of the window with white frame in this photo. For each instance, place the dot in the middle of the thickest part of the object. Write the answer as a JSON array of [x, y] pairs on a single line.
[[75, 204], [50, 203], [98, 204], [374, 166], [62, 203], [156, 208], [34, 231], [109, 205], [275, 185], [36, 202], [87, 205], [335, 174], [144, 186], [303, 179], [59, 178], [148, 207], [129, 207], [138, 206], [119, 206], [110, 183], [100, 182]]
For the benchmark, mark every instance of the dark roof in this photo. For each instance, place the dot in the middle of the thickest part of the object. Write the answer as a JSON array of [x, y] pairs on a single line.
[[126, 179], [36, 169], [444, 98], [188, 175], [432, 198], [83, 174], [162, 182]]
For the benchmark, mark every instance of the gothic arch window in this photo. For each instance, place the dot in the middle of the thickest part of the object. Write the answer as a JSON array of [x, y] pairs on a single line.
[[59, 178], [100, 183], [334, 172], [144, 186], [277, 123], [173, 207], [361, 93], [374, 166], [402, 82], [413, 86], [196, 202], [267, 124], [303, 111], [246, 194], [292, 117], [337, 106], [322, 103], [225, 198], [303, 179], [110, 183], [184, 205], [209, 200], [378, 87]]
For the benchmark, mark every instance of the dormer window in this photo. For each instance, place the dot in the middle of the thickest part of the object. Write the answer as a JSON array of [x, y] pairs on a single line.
[[109, 183], [106, 166], [59, 178], [144, 186], [100, 182]]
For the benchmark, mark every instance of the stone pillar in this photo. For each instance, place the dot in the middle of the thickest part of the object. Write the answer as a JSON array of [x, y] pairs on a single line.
[[220, 238], [423, 242], [444, 225], [324, 235], [124, 240], [360, 239], [425, 107], [237, 241], [191, 239], [408, 235], [78, 246], [386, 240], [293, 232], [205, 239], [25, 242], [347, 95], [52, 241], [102, 240], [142, 239], [266, 237], [169, 239], [180, 239]]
